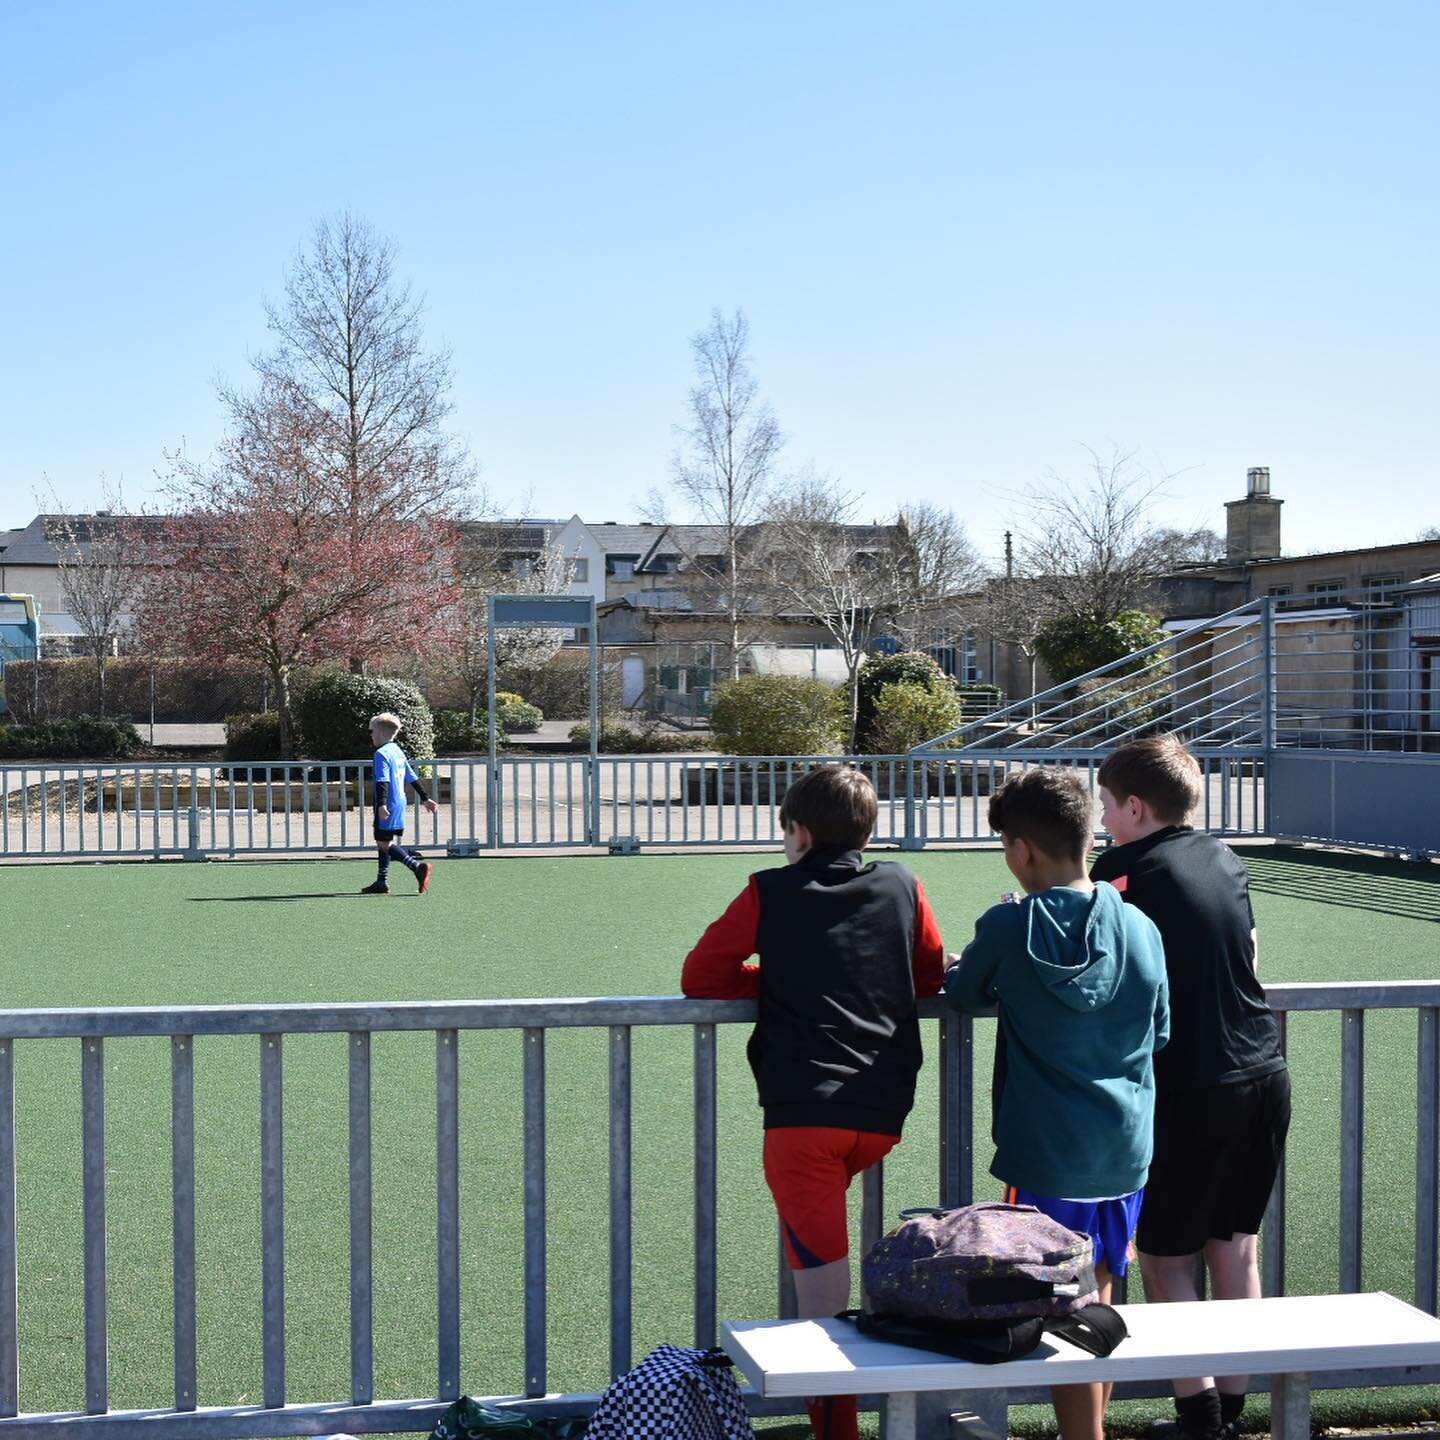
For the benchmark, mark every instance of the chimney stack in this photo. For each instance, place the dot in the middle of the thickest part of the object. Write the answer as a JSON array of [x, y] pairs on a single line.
[[1252, 525]]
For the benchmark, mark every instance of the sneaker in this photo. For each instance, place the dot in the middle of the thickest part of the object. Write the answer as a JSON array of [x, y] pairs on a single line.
[[423, 875], [379, 887]]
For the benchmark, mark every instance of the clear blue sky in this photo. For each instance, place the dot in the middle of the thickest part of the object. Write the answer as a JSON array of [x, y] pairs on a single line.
[[970, 238]]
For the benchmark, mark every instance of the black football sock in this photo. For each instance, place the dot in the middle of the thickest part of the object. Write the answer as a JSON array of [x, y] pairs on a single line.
[[1199, 1414], [1231, 1406]]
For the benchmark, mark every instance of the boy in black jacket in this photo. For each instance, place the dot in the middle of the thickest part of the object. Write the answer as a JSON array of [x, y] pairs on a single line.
[[845, 948], [1222, 1090]]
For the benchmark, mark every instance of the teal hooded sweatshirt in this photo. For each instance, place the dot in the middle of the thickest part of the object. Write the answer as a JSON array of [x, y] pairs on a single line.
[[1079, 977]]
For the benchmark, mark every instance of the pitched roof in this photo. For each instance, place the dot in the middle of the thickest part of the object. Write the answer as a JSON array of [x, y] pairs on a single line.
[[39, 542]]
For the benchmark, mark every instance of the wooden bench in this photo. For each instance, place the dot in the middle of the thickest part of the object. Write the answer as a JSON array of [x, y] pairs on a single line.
[[1287, 1338]]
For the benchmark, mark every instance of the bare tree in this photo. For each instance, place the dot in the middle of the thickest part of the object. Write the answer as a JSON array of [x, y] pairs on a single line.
[[1015, 612], [349, 340], [1430, 532], [933, 573], [99, 573], [821, 565], [726, 464], [487, 567], [1201, 546], [1090, 546]]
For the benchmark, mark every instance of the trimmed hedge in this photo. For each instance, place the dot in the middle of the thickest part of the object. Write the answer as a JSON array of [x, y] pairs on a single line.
[[334, 713], [86, 737], [778, 715]]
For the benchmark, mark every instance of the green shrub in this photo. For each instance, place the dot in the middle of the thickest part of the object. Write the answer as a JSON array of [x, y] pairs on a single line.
[[906, 715], [252, 737], [778, 715], [455, 735], [909, 667], [84, 738], [1074, 644], [334, 713], [515, 714], [626, 740]]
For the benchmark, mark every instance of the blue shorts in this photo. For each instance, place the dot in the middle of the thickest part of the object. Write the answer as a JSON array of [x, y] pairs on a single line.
[[1110, 1224]]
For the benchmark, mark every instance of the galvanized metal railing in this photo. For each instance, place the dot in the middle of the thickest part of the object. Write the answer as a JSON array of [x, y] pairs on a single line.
[[533, 1020], [690, 801]]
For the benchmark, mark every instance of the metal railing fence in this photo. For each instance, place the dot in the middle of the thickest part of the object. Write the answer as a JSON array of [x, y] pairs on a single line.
[[533, 1021], [1347, 670], [672, 801]]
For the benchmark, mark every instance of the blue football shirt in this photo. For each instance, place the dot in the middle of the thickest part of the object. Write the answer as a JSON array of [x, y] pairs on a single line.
[[392, 769]]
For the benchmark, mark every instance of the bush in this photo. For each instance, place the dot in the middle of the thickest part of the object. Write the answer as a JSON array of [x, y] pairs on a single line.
[[626, 740], [333, 716], [515, 714], [83, 738], [907, 668], [455, 735], [778, 715], [252, 737], [1075, 644], [906, 715]]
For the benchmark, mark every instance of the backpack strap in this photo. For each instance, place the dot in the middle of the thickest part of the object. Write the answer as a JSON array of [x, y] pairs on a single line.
[[1097, 1329]]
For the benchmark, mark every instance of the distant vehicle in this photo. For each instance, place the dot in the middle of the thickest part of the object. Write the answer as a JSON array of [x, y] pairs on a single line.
[[19, 634]]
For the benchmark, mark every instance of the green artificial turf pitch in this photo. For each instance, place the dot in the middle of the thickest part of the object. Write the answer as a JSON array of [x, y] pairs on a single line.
[[135, 934]]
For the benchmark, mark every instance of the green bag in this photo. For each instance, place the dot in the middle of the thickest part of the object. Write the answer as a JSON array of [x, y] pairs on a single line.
[[468, 1419]]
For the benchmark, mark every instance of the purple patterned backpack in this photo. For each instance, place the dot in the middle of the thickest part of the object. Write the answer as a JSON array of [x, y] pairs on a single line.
[[984, 1282]]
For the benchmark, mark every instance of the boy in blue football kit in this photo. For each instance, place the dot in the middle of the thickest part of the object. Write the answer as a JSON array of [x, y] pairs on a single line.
[[392, 772], [1079, 977]]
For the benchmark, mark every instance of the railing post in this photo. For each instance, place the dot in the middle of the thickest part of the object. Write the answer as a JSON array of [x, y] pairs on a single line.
[[1267, 699], [912, 839]]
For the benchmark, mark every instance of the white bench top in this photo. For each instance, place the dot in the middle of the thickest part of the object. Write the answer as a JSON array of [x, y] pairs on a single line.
[[1285, 1335]]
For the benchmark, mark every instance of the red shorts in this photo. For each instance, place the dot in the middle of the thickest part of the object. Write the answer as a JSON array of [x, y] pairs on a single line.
[[809, 1169]]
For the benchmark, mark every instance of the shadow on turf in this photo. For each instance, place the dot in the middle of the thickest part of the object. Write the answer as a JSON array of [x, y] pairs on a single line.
[[318, 895], [1386, 887]]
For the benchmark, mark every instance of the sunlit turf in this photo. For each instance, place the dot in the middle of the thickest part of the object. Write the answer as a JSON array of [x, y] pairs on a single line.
[[270, 932]]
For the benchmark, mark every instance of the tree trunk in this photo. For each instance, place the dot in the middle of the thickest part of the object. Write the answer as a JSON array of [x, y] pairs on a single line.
[[280, 674], [855, 702], [100, 679]]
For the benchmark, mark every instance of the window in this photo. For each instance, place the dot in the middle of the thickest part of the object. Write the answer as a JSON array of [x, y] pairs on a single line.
[[1327, 592], [520, 567], [1278, 590], [623, 569], [1381, 587], [580, 569]]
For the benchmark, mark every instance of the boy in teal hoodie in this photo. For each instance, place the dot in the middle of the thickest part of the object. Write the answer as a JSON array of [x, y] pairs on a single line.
[[1079, 977]]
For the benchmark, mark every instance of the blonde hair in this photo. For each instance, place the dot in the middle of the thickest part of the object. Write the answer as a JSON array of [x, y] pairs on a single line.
[[388, 721]]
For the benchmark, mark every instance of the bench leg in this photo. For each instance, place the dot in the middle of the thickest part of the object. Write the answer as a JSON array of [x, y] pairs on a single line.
[[900, 1416], [1290, 1407]]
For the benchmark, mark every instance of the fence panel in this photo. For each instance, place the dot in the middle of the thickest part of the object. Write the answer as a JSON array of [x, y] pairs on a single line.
[[532, 1021]]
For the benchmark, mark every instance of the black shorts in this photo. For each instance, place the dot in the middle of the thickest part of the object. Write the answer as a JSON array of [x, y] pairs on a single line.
[[1217, 1152], [386, 836]]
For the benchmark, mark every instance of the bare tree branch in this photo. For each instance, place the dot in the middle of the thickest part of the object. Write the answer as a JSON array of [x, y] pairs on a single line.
[[726, 464]]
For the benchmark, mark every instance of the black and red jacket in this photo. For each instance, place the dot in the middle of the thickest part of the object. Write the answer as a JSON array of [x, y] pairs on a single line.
[[845, 948]]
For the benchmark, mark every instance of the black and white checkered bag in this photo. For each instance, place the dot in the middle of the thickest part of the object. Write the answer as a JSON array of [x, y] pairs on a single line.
[[673, 1394]]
